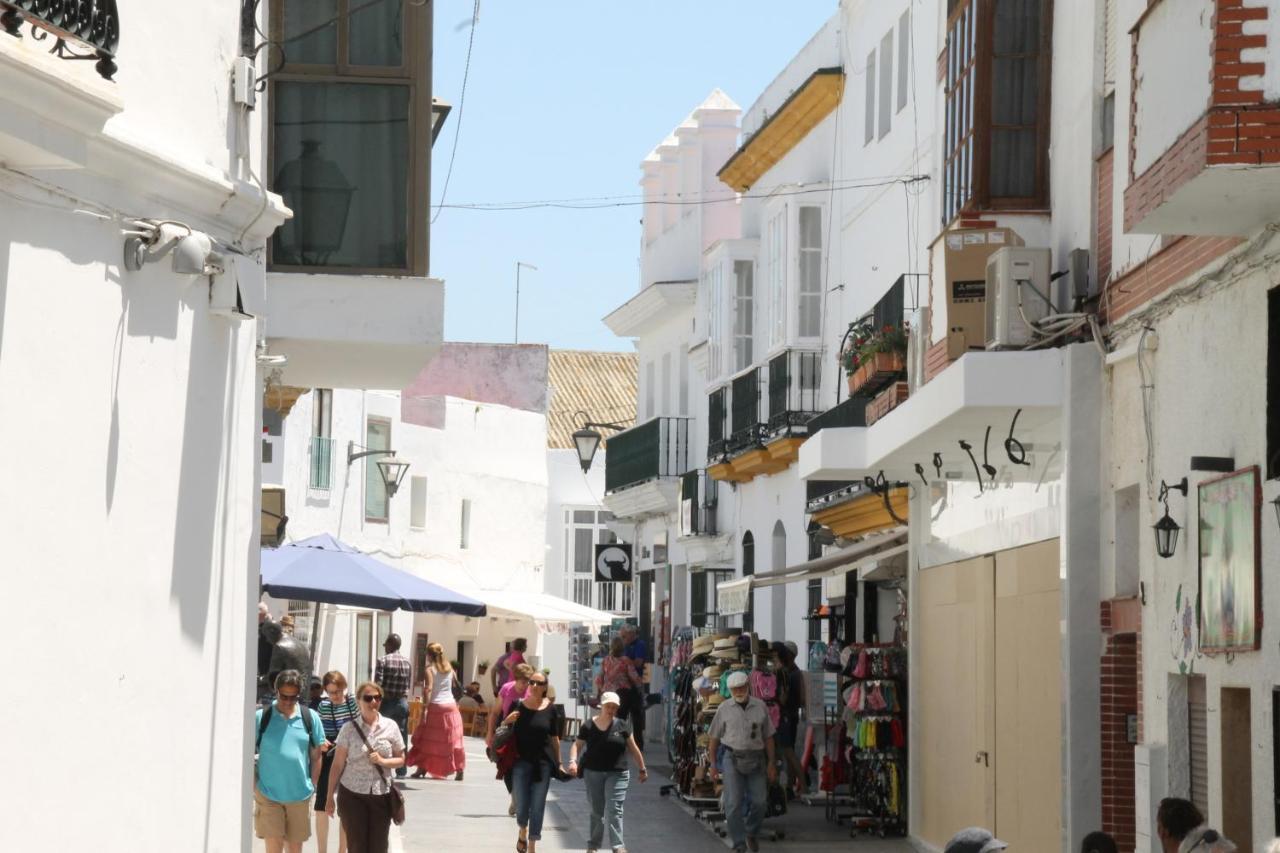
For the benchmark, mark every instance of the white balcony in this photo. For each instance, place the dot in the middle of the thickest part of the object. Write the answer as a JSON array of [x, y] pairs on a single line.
[[353, 331]]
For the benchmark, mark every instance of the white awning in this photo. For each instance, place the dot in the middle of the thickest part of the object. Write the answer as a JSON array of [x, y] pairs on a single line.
[[542, 607], [733, 595]]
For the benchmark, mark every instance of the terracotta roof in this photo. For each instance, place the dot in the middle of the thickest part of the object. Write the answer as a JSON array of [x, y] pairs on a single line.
[[602, 384]]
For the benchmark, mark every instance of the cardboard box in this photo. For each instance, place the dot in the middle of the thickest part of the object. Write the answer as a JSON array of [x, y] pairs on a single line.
[[964, 272]]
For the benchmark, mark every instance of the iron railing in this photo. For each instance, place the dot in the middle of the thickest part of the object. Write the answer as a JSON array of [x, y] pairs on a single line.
[[820, 494], [92, 25], [717, 434], [699, 495], [848, 413], [656, 448], [321, 463], [747, 418], [794, 380]]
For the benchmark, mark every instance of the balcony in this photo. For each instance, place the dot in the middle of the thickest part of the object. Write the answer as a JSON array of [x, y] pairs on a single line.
[[88, 25], [641, 467], [793, 392], [699, 495], [847, 413], [1206, 120], [321, 478], [747, 418], [717, 429]]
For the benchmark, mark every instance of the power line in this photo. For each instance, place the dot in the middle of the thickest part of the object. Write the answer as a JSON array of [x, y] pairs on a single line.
[[462, 103]]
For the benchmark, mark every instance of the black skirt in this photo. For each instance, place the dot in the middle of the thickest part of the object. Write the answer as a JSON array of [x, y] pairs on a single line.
[[322, 788]]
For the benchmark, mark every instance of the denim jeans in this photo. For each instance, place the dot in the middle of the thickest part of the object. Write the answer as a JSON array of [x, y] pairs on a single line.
[[744, 818], [531, 794], [398, 710], [607, 790]]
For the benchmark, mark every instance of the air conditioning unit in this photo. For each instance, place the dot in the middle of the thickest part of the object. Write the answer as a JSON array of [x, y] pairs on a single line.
[[1018, 295]]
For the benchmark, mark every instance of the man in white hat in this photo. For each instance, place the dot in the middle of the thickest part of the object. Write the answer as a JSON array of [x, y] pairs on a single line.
[[744, 727]]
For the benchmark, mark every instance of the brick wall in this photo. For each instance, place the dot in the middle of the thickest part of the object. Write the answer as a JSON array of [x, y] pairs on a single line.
[[1175, 261], [1106, 187], [935, 360], [1119, 698]]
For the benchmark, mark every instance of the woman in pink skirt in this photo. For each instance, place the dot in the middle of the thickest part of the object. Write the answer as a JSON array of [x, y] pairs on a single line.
[[437, 741]]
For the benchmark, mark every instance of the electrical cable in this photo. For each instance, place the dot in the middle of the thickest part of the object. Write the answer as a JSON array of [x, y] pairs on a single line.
[[920, 471], [1012, 447], [968, 448], [462, 103], [937, 464], [986, 464]]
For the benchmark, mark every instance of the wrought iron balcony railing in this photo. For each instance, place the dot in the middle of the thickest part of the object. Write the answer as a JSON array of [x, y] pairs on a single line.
[[717, 415], [92, 25], [848, 413], [793, 390], [321, 463], [747, 418], [656, 448], [698, 497]]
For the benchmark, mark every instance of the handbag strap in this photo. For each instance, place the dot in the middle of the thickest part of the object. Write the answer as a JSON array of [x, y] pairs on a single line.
[[381, 770]]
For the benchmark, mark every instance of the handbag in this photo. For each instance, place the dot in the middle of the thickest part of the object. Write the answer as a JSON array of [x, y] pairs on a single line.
[[395, 797]]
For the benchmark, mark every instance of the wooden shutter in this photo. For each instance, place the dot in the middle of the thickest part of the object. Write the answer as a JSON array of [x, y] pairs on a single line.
[[1110, 36], [1198, 741]]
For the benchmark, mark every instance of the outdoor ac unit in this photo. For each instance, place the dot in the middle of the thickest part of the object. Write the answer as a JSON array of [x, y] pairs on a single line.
[[1017, 295]]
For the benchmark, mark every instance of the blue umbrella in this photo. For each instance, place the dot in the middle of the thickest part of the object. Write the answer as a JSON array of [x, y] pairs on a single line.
[[325, 570]]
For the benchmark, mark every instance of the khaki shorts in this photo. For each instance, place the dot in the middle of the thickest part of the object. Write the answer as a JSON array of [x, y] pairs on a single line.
[[290, 821]]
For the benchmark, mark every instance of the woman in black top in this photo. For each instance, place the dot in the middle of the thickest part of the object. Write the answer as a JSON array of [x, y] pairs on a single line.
[[608, 740], [537, 736]]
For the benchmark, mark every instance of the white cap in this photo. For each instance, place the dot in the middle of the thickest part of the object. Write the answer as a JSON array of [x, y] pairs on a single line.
[[610, 698], [737, 679]]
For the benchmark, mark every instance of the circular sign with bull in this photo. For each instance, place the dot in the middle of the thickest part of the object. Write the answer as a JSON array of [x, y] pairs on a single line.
[[613, 563]]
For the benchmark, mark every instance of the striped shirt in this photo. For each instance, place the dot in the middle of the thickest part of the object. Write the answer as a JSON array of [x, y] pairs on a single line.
[[334, 717]]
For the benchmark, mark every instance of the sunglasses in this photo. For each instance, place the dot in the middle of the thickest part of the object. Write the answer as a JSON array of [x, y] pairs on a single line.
[[286, 697], [371, 697], [537, 684]]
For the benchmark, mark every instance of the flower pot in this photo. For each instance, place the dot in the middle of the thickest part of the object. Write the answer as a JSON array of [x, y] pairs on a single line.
[[889, 362]]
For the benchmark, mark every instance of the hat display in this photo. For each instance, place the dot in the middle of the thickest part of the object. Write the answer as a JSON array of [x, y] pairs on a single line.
[[725, 643], [974, 840], [737, 678], [703, 644], [713, 700], [713, 671]]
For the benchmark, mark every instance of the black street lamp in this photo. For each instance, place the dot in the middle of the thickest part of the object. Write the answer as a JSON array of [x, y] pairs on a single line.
[[1166, 528], [586, 440], [392, 468]]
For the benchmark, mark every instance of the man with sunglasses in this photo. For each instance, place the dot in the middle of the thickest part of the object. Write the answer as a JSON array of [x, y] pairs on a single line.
[[289, 736]]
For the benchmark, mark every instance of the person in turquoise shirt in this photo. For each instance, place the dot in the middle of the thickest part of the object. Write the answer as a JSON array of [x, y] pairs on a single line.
[[288, 759]]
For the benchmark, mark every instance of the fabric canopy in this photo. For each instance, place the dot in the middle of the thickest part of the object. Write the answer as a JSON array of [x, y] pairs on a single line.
[[543, 607], [331, 572]]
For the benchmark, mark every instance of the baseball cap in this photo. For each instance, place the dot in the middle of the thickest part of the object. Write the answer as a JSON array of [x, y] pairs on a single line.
[[610, 698], [737, 679], [974, 840]]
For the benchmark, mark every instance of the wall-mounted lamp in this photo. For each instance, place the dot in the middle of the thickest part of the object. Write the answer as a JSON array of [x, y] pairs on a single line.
[[282, 521], [586, 440], [1166, 528], [391, 468]]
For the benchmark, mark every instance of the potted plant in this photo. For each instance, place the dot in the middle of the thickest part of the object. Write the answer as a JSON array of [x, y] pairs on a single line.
[[874, 356], [851, 356], [482, 667]]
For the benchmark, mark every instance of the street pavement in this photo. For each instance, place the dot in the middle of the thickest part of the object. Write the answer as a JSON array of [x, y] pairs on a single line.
[[471, 815]]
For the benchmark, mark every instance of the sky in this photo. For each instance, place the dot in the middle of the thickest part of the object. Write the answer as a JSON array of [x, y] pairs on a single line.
[[564, 99]]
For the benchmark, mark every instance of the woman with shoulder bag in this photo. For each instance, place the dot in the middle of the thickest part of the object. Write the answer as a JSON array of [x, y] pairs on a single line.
[[536, 731], [437, 747], [360, 786], [609, 741]]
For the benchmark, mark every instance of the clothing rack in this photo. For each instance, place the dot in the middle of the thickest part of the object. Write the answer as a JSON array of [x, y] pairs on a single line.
[[877, 755]]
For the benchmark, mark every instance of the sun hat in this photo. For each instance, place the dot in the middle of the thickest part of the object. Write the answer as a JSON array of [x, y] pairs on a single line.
[[703, 644], [975, 839], [610, 698], [737, 679], [713, 671], [724, 643]]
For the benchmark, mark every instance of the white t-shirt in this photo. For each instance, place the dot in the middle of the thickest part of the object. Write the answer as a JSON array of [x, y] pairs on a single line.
[[360, 775]]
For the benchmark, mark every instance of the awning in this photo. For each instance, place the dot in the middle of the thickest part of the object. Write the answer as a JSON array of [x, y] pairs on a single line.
[[733, 595], [541, 607]]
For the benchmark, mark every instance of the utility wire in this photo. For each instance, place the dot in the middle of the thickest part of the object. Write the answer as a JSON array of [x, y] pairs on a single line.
[[462, 103]]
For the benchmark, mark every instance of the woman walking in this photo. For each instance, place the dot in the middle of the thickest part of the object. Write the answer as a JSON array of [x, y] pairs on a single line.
[[437, 741], [608, 740], [359, 782], [617, 673], [537, 735], [336, 709]]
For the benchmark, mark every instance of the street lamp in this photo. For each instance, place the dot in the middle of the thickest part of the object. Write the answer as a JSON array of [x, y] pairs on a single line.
[[520, 264], [587, 440], [391, 468], [1166, 528]]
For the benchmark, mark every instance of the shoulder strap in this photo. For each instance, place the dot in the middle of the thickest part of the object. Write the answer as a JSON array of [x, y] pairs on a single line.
[[262, 725], [307, 722], [360, 731]]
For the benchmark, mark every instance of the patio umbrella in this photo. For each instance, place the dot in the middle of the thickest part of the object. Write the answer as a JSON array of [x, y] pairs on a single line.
[[324, 570]]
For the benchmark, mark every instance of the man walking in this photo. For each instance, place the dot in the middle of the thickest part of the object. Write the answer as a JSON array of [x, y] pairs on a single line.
[[288, 745], [393, 674], [744, 727], [636, 652], [791, 687]]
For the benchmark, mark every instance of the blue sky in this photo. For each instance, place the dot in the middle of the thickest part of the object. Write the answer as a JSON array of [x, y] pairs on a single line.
[[565, 98]]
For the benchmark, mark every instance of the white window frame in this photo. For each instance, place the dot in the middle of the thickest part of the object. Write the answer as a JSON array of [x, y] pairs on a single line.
[[715, 319], [776, 230], [418, 502], [743, 339], [798, 294]]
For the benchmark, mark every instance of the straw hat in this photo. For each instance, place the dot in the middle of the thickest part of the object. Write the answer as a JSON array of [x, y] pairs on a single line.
[[724, 643], [703, 644], [713, 671], [713, 700], [726, 654]]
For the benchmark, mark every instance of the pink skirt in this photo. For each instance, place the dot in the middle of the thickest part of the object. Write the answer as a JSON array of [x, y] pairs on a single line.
[[437, 742]]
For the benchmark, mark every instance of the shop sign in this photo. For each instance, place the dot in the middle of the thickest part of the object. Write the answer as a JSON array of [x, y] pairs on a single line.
[[613, 563], [733, 597]]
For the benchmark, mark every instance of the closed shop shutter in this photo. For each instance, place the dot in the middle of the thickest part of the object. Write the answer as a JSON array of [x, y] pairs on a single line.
[[1110, 37], [1198, 741]]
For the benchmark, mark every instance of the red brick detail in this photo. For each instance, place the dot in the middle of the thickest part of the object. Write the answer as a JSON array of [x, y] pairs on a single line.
[[935, 360], [1172, 264], [1120, 696], [1102, 240]]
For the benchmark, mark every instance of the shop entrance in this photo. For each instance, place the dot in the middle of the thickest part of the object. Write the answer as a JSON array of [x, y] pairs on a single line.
[[989, 697], [1237, 772]]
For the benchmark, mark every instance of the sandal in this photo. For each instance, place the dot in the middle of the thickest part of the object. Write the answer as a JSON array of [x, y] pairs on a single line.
[[522, 844]]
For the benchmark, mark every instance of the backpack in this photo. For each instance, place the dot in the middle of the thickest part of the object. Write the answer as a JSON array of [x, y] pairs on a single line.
[[266, 721]]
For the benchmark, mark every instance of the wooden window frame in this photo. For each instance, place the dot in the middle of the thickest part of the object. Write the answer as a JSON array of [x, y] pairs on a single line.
[[980, 67], [413, 72]]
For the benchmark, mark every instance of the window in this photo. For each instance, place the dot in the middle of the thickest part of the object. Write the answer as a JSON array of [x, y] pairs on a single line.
[[668, 407], [377, 436], [869, 130], [608, 596], [583, 552], [715, 321], [684, 382], [626, 597], [743, 313], [777, 231], [997, 94], [904, 57], [464, 540], [321, 477], [810, 272], [815, 601], [383, 628], [886, 84], [350, 120], [418, 502], [322, 412], [649, 408], [582, 591], [302, 612]]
